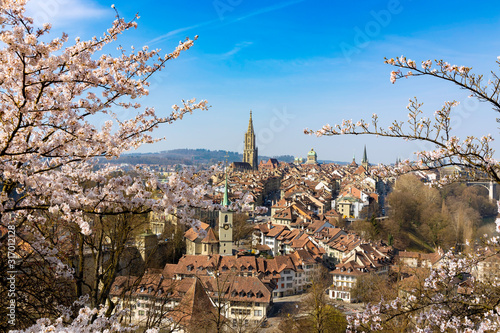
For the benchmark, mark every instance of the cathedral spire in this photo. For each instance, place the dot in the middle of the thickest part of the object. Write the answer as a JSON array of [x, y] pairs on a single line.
[[250, 123], [250, 153], [364, 161]]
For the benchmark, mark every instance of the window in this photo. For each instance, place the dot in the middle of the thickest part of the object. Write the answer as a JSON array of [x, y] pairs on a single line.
[[289, 285], [257, 313], [225, 218], [141, 312]]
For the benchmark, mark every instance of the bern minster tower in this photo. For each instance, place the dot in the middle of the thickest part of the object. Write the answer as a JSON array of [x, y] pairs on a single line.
[[250, 154]]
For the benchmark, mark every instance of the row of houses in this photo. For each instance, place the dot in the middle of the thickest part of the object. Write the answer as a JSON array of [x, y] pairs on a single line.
[[240, 288]]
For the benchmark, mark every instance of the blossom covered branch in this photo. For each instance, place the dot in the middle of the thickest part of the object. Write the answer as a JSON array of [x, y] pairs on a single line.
[[474, 154]]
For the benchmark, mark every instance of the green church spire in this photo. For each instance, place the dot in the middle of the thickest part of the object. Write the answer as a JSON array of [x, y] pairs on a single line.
[[225, 200]]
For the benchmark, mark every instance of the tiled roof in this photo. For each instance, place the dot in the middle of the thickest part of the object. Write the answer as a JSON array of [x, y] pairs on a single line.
[[210, 237], [193, 233]]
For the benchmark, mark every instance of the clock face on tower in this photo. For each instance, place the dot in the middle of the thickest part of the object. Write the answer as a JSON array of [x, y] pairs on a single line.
[[226, 226]]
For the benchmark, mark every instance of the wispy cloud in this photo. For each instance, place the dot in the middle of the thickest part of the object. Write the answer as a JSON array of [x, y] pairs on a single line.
[[62, 13], [178, 31], [225, 22], [237, 48], [266, 10]]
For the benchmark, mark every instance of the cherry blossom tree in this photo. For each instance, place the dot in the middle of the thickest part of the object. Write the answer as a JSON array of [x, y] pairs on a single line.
[[460, 294], [475, 155], [52, 90]]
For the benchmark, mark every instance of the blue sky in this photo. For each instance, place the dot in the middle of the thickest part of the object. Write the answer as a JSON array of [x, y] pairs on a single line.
[[298, 64]]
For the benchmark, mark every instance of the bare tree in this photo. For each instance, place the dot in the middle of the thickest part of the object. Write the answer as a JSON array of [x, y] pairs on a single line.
[[316, 314]]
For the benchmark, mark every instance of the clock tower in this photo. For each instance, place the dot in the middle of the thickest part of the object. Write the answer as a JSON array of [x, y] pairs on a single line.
[[225, 227]]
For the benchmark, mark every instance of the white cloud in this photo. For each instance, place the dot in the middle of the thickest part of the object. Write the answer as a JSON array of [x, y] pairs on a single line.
[[178, 31], [221, 22], [62, 13], [237, 48]]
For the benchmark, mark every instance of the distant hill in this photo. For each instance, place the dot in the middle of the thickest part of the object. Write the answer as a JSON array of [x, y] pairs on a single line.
[[188, 157]]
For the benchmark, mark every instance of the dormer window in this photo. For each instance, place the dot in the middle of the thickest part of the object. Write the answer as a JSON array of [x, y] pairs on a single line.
[[150, 289], [190, 268], [142, 289]]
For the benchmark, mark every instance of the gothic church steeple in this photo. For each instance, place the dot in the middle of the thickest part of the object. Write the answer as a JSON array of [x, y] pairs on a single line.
[[250, 153], [364, 161]]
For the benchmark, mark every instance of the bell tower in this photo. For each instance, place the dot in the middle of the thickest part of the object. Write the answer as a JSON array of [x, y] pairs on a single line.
[[225, 227], [250, 153]]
